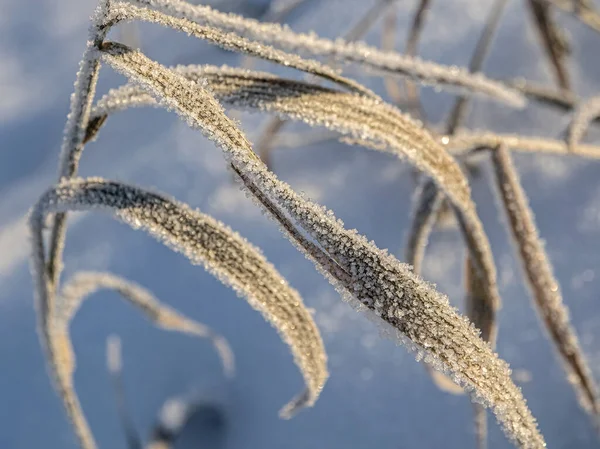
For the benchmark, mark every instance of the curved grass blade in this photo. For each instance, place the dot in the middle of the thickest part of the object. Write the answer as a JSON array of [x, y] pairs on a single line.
[[481, 308], [430, 204], [77, 129], [544, 287], [421, 316], [378, 125], [125, 12], [204, 241], [360, 53], [74, 139], [84, 284]]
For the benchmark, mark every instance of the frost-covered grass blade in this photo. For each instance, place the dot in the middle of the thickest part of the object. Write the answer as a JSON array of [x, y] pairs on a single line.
[[543, 285], [202, 240]]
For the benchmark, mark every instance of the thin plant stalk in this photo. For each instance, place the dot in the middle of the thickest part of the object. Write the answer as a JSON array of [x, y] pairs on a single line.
[[544, 286]]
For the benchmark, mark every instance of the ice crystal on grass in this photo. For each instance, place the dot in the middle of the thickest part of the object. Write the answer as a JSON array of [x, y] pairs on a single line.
[[83, 284]]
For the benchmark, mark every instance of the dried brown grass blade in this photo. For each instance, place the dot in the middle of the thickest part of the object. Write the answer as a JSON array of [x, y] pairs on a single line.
[[74, 139], [481, 307], [544, 287], [379, 124], [428, 209], [427, 201], [122, 12]]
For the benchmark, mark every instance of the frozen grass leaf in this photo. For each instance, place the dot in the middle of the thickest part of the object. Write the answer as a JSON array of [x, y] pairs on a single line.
[[544, 287], [202, 240], [124, 12], [368, 119], [553, 40], [75, 136], [359, 53], [84, 284]]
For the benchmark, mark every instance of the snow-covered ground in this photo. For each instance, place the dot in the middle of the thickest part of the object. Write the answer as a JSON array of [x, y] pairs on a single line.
[[377, 396]]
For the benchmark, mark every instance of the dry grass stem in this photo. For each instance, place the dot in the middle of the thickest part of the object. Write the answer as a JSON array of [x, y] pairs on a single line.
[[84, 284], [459, 110], [388, 43], [584, 12], [544, 287], [553, 41]]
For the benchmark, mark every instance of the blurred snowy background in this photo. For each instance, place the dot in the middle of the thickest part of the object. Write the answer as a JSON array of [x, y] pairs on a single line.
[[377, 396]]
